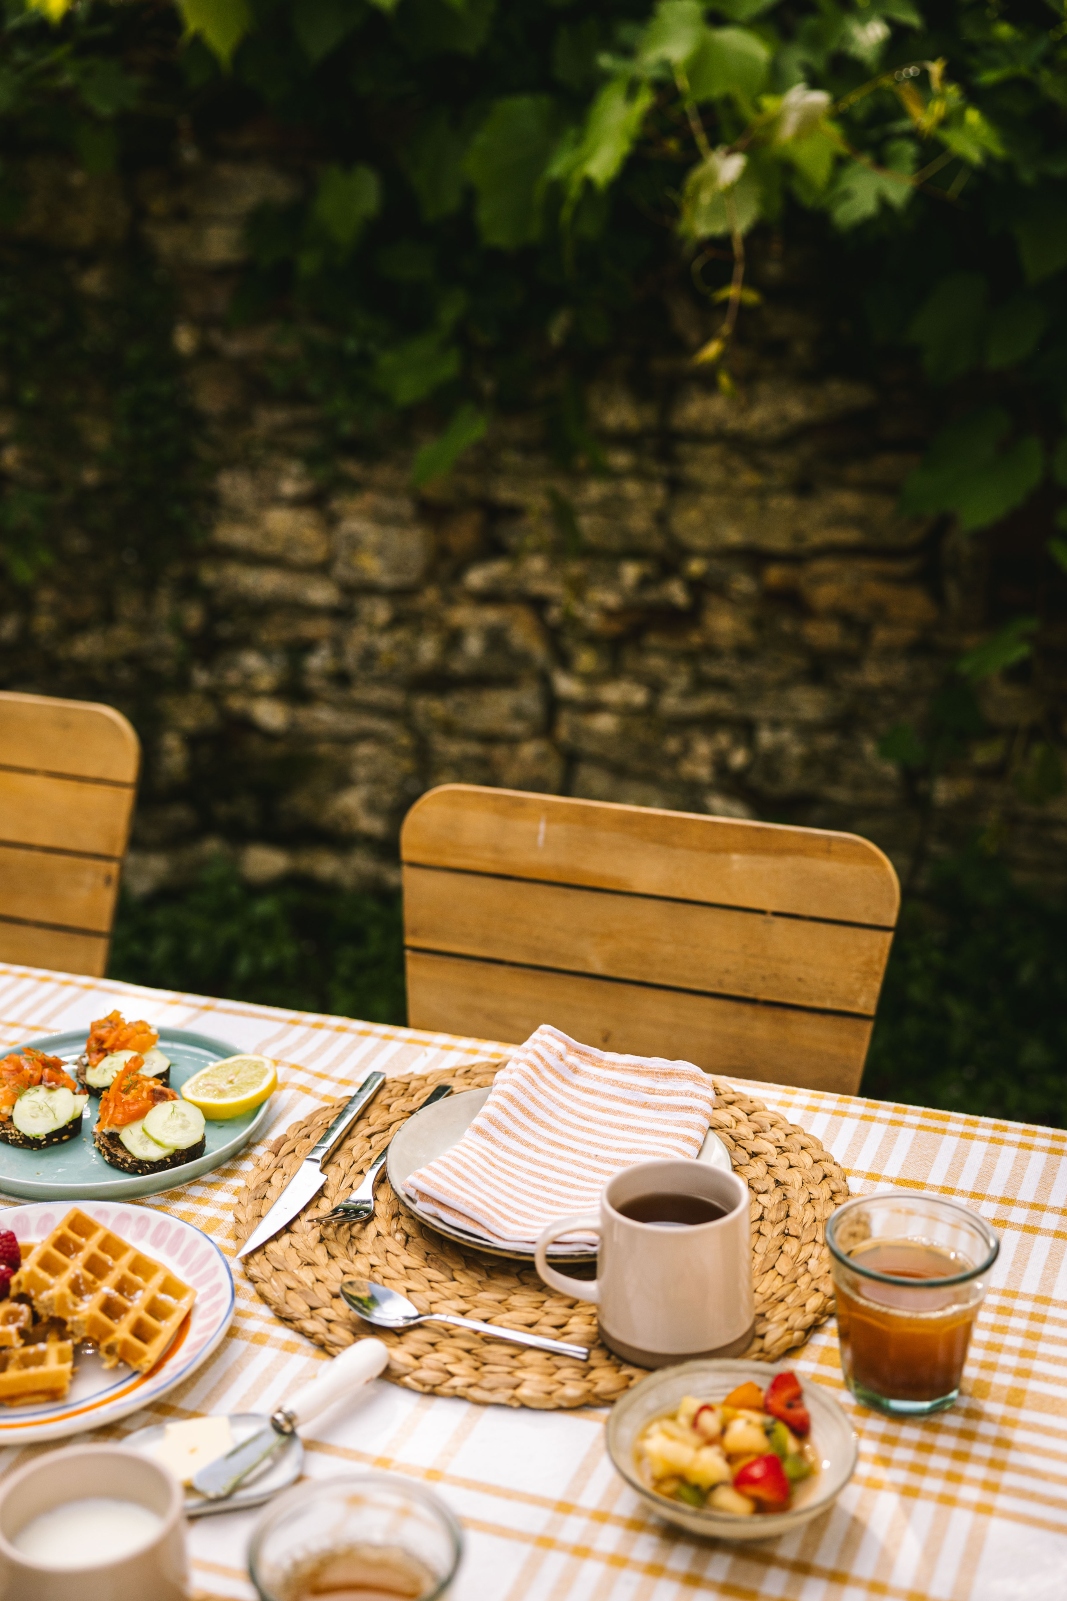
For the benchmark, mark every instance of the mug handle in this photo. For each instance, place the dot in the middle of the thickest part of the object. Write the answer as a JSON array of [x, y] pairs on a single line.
[[579, 1289]]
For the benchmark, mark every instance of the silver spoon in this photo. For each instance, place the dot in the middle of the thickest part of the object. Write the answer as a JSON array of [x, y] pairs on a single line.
[[387, 1309]]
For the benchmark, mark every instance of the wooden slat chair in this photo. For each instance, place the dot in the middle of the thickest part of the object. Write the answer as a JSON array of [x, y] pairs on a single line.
[[68, 778], [748, 948]]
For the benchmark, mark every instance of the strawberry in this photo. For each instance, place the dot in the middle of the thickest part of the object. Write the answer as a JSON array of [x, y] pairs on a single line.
[[10, 1252], [784, 1400], [763, 1480]]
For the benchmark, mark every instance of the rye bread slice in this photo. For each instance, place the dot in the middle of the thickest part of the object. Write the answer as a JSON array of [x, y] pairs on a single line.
[[111, 1148], [28, 1142], [81, 1068]]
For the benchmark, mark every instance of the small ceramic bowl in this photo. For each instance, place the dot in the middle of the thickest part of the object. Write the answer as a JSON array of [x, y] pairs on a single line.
[[831, 1435]]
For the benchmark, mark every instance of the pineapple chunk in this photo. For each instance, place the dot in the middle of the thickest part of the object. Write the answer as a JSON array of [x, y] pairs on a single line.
[[677, 1431], [687, 1408], [744, 1437], [724, 1498], [708, 1468], [666, 1456]]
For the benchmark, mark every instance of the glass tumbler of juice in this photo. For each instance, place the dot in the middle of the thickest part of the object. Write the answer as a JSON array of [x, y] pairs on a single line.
[[360, 1537], [909, 1276]]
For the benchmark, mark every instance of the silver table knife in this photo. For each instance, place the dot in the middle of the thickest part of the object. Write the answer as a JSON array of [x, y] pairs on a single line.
[[350, 1371], [359, 1206], [310, 1176]]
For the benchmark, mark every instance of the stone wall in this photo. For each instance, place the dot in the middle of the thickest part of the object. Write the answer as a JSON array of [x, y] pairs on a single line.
[[728, 618]]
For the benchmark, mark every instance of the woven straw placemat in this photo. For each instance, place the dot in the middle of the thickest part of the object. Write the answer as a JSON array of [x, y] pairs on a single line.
[[795, 1185]]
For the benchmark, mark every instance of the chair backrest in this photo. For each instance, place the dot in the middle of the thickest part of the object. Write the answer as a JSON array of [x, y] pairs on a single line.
[[748, 948], [68, 778]]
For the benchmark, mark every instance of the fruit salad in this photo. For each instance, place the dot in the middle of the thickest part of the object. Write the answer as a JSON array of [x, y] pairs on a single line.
[[744, 1455]]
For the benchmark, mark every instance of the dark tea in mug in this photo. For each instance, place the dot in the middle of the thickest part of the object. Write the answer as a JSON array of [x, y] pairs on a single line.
[[671, 1209]]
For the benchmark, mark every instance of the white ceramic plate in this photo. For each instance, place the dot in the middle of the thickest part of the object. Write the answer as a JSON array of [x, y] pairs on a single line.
[[431, 1132], [100, 1395], [711, 1379], [283, 1469], [77, 1172]]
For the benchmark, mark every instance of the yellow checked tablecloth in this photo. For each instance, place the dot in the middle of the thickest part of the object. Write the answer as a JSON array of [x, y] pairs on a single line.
[[972, 1504]]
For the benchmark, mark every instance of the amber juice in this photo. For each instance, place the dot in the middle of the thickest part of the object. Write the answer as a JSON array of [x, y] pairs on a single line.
[[358, 1572], [899, 1341]]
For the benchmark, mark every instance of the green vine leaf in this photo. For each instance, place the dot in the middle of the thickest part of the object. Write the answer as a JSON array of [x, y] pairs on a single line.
[[320, 25], [721, 193], [903, 746], [813, 159], [413, 370], [1059, 462], [1011, 644], [949, 326], [346, 201], [437, 459], [970, 135], [105, 86], [964, 472], [597, 153], [432, 160], [1014, 332], [728, 61], [506, 163], [859, 192], [673, 34], [799, 113], [1041, 234], [222, 24]]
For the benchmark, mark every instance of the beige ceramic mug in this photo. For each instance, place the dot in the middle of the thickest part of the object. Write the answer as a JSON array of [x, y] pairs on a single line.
[[666, 1293], [156, 1570]]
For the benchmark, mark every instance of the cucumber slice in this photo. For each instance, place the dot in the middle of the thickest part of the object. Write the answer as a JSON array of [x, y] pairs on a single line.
[[41, 1110], [102, 1076], [142, 1145], [175, 1124]]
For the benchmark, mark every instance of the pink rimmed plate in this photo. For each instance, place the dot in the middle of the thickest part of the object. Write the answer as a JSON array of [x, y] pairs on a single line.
[[100, 1395]]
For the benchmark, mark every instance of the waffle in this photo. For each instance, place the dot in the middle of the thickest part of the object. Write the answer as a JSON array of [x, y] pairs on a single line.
[[105, 1290], [15, 1320], [39, 1372]]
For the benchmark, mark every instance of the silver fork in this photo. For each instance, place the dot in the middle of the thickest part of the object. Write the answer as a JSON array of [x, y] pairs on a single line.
[[359, 1206]]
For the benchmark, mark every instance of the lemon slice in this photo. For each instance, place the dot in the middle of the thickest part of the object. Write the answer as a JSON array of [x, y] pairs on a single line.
[[228, 1088]]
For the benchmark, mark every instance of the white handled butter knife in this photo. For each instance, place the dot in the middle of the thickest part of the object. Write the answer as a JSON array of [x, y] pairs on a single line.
[[310, 1176], [347, 1372]]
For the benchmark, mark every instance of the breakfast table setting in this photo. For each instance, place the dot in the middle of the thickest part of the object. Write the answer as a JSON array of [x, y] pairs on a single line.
[[323, 1251]]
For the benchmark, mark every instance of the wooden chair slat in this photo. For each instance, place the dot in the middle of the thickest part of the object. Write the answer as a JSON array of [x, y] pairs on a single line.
[[75, 737], [68, 775], [30, 945], [775, 1044], [713, 949], [79, 891], [720, 861], [749, 948], [64, 814]]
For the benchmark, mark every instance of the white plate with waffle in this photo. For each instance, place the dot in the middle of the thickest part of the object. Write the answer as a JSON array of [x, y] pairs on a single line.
[[152, 1294]]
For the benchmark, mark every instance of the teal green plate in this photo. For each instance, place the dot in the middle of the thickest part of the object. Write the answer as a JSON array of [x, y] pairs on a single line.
[[77, 1171]]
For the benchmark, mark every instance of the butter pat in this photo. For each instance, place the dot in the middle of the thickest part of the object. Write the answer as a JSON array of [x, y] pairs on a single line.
[[187, 1447]]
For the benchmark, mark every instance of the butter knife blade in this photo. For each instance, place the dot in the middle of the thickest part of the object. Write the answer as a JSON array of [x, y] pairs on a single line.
[[220, 1478], [309, 1178]]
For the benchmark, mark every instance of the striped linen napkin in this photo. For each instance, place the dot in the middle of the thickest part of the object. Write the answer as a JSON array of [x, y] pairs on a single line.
[[561, 1118]]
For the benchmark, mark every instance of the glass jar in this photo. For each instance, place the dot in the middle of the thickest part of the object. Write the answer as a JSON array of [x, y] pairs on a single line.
[[909, 1276]]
